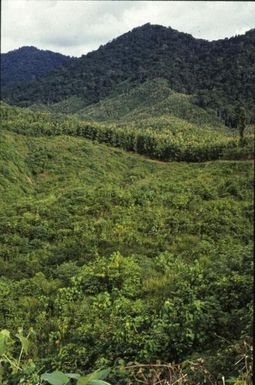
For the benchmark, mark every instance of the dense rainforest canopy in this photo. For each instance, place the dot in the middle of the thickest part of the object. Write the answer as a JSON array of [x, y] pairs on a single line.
[[28, 63], [220, 73]]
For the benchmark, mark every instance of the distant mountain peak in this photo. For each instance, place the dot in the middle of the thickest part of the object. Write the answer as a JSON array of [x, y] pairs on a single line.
[[29, 62], [32, 49], [220, 73], [26, 48]]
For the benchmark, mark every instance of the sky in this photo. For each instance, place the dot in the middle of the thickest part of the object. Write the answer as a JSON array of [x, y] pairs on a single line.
[[75, 27]]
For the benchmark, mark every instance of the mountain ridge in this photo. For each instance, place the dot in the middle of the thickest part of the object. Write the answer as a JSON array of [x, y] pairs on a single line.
[[220, 73], [28, 63]]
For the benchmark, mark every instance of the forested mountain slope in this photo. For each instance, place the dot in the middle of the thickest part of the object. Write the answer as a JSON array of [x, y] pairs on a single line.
[[220, 73], [27, 63]]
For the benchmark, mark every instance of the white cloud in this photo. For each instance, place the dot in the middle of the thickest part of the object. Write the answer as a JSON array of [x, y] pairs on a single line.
[[77, 27]]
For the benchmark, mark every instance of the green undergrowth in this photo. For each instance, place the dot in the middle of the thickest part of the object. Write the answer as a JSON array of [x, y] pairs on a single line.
[[113, 258]]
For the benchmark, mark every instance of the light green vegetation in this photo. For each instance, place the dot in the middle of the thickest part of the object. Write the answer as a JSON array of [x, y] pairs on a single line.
[[179, 140], [110, 256], [153, 98]]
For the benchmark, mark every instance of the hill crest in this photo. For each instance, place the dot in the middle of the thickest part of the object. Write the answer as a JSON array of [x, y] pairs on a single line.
[[220, 73], [28, 63]]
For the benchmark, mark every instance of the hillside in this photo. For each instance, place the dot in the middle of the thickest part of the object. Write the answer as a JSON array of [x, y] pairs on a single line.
[[151, 99], [140, 105], [29, 63], [166, 138], [220, 73], [110, 256]]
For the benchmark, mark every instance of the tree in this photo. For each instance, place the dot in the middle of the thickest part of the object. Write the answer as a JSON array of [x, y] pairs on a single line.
[[240, 120]]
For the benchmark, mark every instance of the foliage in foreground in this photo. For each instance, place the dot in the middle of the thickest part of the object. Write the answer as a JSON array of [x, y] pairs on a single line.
[[22, 370], [111, 257]]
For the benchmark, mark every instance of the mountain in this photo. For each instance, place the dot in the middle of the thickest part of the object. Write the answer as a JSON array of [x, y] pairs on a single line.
[[28, 63], [220, 73]]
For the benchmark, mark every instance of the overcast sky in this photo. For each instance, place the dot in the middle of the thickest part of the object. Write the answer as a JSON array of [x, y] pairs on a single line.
[[75, 27]]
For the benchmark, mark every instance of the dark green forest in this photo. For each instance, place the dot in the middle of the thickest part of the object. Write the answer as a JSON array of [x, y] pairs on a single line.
[[29, 63], [220, 73], [126, 215]]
